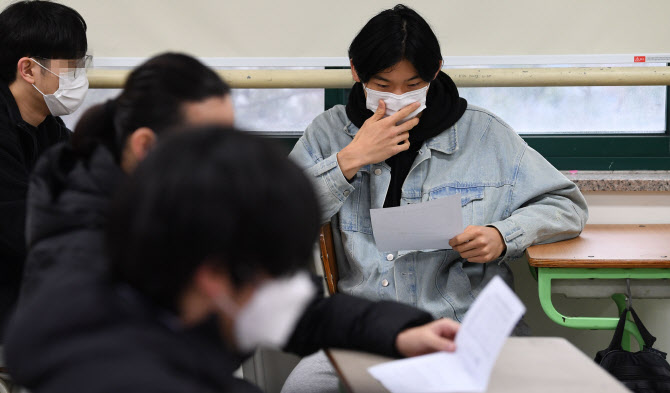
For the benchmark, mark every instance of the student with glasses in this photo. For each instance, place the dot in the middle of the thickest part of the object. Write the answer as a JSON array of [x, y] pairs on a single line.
[[42, 76]]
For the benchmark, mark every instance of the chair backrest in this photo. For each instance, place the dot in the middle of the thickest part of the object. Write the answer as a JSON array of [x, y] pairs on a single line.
[[328, 260]]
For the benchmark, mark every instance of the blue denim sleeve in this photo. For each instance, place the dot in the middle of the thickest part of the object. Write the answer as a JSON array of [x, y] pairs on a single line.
[[544, 206], [331, 187]]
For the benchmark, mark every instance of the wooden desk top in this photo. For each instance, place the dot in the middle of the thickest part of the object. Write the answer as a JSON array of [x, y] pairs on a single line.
[[525, 365], [608, 246]]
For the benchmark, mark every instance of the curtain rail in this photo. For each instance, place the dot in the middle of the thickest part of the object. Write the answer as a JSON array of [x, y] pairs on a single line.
[[468, 77]]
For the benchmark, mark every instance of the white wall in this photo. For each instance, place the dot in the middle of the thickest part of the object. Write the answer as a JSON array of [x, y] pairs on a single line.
[[308, 28], [628, 207]]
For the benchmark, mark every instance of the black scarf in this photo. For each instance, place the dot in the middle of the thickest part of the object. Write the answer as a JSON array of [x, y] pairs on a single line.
[[443, 109]]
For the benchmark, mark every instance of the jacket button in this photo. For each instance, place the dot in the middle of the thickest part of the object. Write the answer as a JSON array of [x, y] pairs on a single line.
[[385, 283], [378, 171], [389, 257], [346, 193]]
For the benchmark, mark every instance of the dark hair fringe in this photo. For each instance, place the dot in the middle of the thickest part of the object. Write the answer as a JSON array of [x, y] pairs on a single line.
[[41, 29], [391, 36]]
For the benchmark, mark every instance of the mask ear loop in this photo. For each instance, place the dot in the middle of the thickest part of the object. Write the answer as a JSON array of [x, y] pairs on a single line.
[[38, 89], [38, 63], [43, 67]]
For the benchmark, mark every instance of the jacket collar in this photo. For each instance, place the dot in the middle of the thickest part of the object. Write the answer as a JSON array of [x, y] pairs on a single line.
[[445, 142]]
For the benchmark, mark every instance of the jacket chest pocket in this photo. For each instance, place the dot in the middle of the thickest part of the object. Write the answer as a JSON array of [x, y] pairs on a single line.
[[469, 196]]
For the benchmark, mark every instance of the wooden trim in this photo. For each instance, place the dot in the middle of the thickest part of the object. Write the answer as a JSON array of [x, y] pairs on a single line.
[[577, 263], [462, 77], [328, 260]]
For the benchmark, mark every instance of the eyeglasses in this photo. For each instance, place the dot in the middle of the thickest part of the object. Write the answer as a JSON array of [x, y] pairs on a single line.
[[84, 62], [74, 66]]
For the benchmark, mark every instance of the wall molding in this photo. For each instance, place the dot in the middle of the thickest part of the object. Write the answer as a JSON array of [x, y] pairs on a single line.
[[450, 61]]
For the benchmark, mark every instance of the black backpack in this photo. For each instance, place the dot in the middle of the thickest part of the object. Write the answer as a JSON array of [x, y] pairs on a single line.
[[645, 371]]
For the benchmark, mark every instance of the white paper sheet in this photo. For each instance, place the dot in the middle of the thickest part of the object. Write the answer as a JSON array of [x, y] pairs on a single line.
[[420, 226], [485, 328]]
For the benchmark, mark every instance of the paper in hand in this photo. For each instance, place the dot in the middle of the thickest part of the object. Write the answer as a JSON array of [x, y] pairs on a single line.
[[420, 226], [485, 328]]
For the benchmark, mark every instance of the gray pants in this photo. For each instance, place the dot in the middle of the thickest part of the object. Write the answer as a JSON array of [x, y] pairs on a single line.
[[314, 374]]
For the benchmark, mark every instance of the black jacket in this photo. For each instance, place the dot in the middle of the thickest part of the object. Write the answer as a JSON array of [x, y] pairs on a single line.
[[75, 330], [20, 146], [66, 214]]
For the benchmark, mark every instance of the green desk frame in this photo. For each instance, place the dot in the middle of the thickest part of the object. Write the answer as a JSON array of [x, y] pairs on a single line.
[[545, 275]]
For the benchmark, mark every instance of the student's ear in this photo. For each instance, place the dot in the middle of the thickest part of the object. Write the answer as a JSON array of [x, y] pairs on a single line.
[[439, 69], [25, 69], [140, 142], [353, 71]]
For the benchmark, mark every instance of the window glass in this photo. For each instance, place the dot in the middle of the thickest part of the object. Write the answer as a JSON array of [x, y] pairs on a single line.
[[575, 110]]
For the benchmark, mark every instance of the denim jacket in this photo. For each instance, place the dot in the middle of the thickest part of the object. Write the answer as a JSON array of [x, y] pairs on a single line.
[[503, 183]]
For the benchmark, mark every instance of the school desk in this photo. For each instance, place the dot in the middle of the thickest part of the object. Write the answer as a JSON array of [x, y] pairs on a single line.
[[525, 364], [597, 264]]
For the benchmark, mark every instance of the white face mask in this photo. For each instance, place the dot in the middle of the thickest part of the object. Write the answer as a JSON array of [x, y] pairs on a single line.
[[395, 102], [270, 316], [70, 94]]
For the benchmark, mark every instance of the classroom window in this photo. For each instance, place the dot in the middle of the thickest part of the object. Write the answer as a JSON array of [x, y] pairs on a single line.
[[267, 111], [576, 110], [93, 97], [597, 128], [277, 111], [581, 110]]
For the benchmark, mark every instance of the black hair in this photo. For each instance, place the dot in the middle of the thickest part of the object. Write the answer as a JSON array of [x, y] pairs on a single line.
[[391, 36], [41, 29], [152, 97], [210, 195]]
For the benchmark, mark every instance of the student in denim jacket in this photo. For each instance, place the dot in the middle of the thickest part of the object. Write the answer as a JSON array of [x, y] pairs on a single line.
[[375, 153]]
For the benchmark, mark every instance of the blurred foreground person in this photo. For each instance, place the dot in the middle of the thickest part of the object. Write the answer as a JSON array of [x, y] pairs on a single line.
[[204, 267], [70, 190]]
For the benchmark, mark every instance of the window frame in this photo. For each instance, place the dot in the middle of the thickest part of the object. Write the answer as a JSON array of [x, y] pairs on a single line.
[[586, 152]]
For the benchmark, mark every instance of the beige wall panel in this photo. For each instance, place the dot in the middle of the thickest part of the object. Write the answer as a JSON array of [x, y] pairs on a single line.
[[309, 28]]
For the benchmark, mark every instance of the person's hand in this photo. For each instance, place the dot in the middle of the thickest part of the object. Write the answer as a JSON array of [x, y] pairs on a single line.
[[431, 337], [378, 139], [479, 244]]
